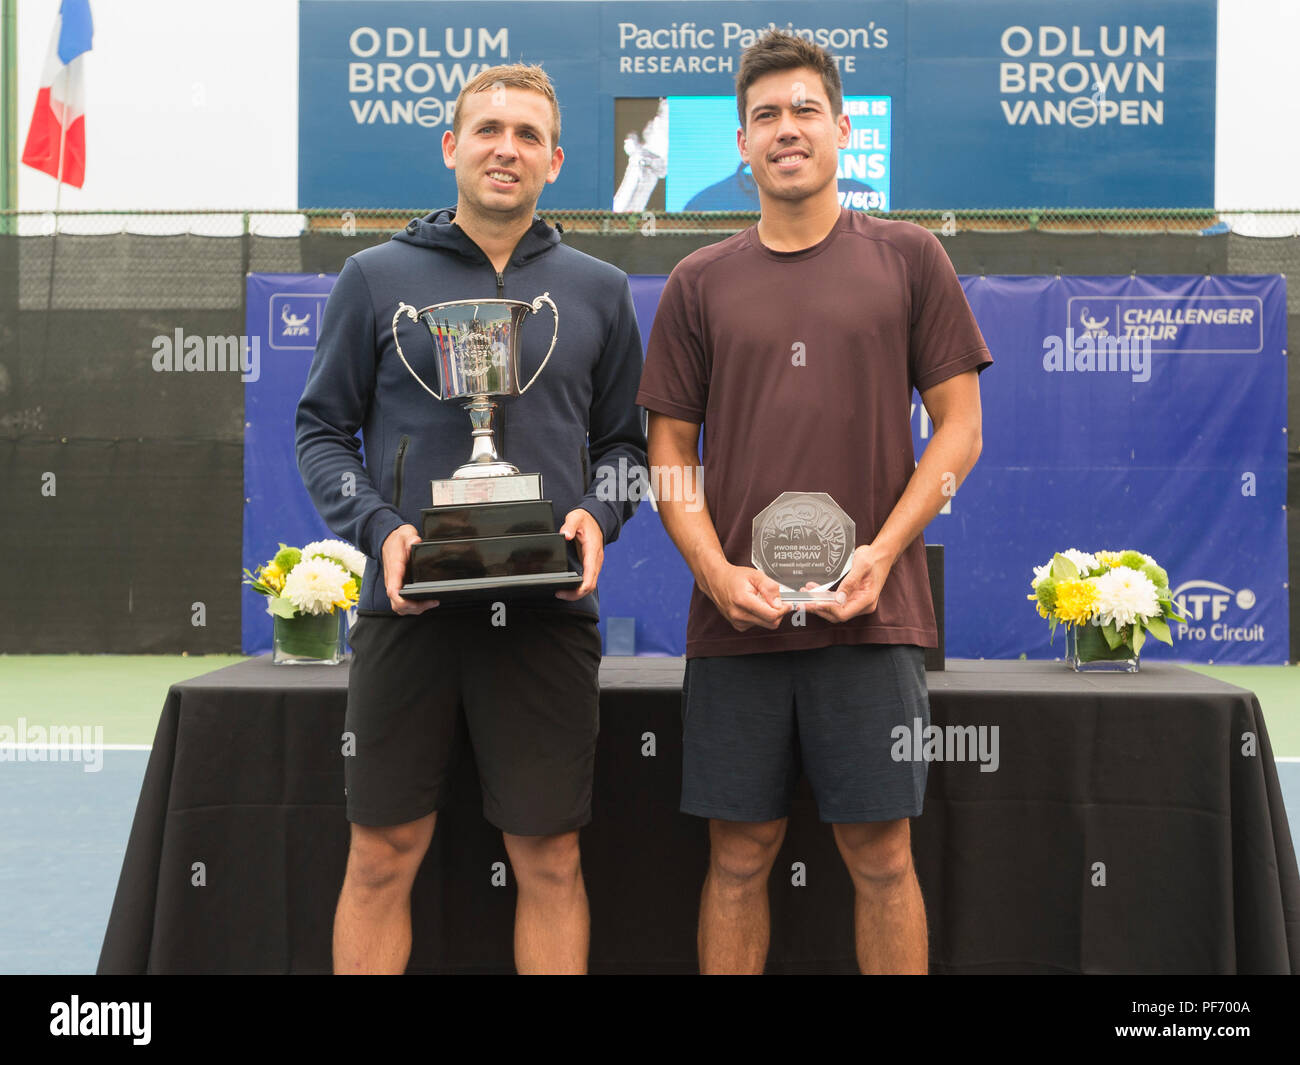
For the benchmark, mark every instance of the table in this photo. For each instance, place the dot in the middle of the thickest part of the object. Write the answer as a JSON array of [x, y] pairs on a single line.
[[1128, 827]]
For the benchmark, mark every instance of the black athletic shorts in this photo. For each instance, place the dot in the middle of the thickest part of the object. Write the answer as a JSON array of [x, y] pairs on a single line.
[[526, 691], [749, 721]]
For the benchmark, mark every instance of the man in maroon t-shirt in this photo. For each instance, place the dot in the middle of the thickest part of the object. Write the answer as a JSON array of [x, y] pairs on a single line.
[[797, 345]]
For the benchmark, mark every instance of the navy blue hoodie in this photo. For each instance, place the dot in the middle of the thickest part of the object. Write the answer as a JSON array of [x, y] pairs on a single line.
[[580, 416]]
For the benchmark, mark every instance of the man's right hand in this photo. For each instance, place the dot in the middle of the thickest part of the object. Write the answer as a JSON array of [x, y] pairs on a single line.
[[747, 598], [394, 557]]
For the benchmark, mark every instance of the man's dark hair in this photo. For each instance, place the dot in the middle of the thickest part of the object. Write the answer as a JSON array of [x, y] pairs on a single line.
[[780, 50]]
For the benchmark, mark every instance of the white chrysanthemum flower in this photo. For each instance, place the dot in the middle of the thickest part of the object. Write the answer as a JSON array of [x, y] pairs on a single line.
[[315, 585], [1082, 560], [1124, 594], [341, 552], [1041, 573]]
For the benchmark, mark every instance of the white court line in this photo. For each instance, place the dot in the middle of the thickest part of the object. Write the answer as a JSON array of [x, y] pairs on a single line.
[[76, 746]]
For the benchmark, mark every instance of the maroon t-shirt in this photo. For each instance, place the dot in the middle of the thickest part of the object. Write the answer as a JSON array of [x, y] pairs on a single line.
[[800, 366]]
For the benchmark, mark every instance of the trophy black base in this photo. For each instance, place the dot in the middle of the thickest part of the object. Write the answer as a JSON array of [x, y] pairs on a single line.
[[487, 589], [474, 521], [488, 540]]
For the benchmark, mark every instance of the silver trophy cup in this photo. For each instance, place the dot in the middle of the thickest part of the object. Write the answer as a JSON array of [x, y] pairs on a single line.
[[476, 355]]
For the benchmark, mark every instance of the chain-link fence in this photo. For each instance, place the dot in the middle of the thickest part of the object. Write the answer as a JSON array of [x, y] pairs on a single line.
[[198, 260]]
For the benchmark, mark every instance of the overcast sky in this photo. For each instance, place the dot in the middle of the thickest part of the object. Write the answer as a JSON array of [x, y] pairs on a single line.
[[195, 105]]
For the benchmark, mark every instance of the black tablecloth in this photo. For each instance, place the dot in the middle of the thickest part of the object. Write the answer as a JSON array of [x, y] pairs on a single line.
[[1148, 782]]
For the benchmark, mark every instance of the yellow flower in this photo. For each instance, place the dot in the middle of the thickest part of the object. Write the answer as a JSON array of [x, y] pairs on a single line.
[[1043, 612], [1108, 558], [1076, 601], [273, 577], [350, 596]]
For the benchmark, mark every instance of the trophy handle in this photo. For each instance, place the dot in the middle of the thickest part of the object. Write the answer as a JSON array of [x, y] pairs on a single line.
[[545, 298], [411, 313]]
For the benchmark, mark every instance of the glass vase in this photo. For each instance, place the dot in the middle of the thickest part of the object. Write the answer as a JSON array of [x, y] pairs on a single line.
[[1087, 651], [309, 639]]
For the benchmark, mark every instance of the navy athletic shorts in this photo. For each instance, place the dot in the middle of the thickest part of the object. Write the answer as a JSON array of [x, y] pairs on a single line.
[[750, 721]]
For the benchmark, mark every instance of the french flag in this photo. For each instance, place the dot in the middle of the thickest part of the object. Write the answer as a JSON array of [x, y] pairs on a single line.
[[56, 142]]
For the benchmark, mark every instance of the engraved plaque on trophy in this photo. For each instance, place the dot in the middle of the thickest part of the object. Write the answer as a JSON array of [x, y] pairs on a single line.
[[489, 531], [803, 538]]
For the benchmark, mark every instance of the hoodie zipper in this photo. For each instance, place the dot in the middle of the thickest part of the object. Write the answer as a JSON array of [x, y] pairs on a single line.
[[501, 283], [397, 470]]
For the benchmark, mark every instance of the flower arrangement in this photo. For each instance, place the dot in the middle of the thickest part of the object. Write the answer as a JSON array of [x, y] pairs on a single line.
[[307, 589], [1109, 601], [311, 580]]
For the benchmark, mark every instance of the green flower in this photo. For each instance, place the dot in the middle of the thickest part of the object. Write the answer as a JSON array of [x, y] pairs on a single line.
[[1045, 593], [286, 558], [1156, 575], [1132, 559]]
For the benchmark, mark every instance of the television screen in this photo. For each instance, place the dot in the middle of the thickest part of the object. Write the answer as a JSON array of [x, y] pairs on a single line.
[[678, 153]]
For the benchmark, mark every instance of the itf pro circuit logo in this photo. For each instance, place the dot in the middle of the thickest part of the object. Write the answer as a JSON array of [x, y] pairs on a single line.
[[1216, 612], [294, 320]]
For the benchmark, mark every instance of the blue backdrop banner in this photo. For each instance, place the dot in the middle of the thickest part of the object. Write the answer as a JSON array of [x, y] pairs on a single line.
[[283, 311], [1143, 412], [1004, 103]]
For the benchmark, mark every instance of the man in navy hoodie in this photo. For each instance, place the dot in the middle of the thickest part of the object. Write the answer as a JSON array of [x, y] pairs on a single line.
[[528, 688]]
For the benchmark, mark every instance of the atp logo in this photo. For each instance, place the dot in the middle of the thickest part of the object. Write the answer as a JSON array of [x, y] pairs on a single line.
[[1093, 327], [293, 318], [1206, 601], [295, 325]]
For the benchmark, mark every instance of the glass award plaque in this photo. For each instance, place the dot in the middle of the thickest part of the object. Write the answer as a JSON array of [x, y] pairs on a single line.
[[803, 538]]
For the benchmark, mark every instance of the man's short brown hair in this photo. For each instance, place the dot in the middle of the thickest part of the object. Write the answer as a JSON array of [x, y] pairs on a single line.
[[781, 50], [513, 76]]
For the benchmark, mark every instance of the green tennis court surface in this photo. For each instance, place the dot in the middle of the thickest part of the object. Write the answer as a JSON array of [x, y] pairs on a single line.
[[122, 693], [125, 693]]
